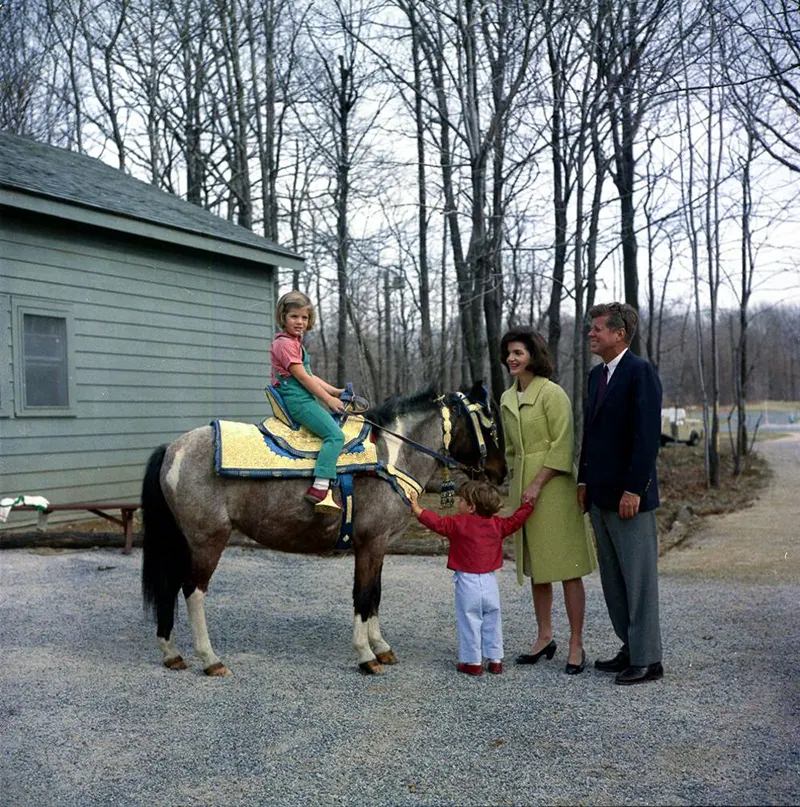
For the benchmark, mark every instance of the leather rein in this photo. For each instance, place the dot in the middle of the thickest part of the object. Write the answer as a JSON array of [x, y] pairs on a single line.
[[478, 418]]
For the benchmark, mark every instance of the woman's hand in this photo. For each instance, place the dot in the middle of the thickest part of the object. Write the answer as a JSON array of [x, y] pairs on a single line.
[[532, 492]]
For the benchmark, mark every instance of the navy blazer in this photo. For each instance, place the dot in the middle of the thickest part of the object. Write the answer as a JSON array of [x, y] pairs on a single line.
[[622, 436]]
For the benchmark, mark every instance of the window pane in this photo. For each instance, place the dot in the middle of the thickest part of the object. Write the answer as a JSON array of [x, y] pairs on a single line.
[[45, 360]]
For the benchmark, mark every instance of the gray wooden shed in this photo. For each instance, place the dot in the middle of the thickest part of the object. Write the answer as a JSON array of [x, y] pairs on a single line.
[[127, 316]]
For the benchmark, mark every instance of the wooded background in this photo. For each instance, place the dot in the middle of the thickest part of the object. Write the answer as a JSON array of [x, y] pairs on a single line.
[[451, 168]]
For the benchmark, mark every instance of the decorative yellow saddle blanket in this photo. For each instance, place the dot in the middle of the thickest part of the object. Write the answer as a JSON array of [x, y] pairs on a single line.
[[271, 450]]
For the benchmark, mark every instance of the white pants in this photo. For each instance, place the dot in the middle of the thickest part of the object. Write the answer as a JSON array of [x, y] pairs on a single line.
[[480, 629]]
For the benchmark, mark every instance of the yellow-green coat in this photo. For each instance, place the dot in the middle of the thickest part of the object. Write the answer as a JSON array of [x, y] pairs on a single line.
[[538, 433]]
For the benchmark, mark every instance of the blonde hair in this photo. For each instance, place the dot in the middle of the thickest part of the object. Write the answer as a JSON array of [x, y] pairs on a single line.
[[484, 497], [290, 300]]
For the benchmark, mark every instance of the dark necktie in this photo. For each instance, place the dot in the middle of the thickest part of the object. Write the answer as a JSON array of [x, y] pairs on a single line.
[[601, 387]]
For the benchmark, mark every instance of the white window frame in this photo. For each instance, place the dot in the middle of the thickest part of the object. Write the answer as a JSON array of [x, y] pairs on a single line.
[[6, 389], [20, 306]]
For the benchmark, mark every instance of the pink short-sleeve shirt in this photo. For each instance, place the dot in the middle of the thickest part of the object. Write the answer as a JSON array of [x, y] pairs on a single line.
[[286, 350]]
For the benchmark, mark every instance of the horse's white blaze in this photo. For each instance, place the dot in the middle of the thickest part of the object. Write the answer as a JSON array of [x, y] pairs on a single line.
[[174, 472], [168, 647], [376, 641], [197, 619], [394, 445], [361, 640]]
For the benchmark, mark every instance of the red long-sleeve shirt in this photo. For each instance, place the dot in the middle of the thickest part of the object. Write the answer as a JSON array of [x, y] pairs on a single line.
[[476, 542]]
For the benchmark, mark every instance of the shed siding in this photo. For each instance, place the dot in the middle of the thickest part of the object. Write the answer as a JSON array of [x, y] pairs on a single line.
[[165, 340]]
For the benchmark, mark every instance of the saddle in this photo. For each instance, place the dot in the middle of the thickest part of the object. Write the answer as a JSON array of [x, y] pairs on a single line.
[[354, 405], [280, 448], [272, 449]]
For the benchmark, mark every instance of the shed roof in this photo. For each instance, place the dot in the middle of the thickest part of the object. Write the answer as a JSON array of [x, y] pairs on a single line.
[[54, 181]]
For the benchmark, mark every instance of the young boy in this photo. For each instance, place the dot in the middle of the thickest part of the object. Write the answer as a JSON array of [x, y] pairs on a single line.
[[476, 550]]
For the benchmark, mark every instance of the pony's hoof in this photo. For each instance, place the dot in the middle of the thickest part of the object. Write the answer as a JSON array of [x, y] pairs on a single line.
[[218, 670], [175, 663], [372, 667], [387, 658]]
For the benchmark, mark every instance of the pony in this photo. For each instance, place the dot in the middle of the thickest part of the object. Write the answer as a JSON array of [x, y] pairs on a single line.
[[189, 513]]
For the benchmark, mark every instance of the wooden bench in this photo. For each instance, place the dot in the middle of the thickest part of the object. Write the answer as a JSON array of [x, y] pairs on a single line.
[[126, 509]]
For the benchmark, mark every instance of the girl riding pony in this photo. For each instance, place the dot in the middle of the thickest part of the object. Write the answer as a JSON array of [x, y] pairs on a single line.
[[302, 392]]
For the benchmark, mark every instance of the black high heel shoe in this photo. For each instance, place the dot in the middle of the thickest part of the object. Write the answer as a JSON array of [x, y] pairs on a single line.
[[531, 658], [574, 669]]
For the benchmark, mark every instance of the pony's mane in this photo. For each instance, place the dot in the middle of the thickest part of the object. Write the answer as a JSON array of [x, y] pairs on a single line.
[[392, 408]]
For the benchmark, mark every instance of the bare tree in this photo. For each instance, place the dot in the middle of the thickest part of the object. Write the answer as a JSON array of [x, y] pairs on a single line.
[[636, 53], [26, 101], [771, 58], [460, 42], [336, 80]]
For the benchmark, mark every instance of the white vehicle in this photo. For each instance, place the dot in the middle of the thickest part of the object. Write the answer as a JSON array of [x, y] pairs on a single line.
[[677, 428]]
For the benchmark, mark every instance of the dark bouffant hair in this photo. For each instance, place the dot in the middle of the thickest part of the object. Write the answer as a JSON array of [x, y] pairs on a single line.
[[482, 496], [619, 316], [541, 364]]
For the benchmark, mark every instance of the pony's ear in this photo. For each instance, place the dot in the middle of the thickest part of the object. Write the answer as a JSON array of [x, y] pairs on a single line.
[[479, 393]]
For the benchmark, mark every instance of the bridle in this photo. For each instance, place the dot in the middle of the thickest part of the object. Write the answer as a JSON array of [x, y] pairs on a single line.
[[480, 419]]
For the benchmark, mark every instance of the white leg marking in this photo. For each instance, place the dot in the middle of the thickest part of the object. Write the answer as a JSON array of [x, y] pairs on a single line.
[[361, 640], [168, 647], [174, 472], [197, 619], [376, 641]]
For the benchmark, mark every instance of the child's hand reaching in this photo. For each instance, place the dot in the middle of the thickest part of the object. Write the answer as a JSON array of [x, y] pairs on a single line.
[[413, 498]]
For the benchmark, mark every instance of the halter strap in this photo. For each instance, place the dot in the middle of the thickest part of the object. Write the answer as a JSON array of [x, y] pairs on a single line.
[[453, 463], [478, 417]]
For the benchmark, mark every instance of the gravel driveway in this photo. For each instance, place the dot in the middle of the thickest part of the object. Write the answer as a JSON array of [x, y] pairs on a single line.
[[88, 716]]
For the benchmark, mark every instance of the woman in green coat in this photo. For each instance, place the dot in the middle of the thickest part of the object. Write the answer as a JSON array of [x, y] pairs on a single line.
[[555, 544]]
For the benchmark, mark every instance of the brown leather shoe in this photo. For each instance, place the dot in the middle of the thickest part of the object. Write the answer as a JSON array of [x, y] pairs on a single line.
[[495, 667], [469, 669]]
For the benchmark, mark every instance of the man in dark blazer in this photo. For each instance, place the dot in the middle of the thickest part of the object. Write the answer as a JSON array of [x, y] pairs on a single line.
[[617, 485]]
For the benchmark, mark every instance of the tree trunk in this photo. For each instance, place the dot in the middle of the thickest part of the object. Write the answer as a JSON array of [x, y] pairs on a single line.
[[426, 338]]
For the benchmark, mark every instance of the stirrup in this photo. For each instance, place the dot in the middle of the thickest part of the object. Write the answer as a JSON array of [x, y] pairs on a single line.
[[328, 504]]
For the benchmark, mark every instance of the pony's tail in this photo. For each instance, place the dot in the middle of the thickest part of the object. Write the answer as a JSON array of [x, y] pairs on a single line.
[[165, 554]]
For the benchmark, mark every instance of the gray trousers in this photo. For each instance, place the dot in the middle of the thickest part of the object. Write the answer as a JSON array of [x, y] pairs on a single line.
[[627, 553]]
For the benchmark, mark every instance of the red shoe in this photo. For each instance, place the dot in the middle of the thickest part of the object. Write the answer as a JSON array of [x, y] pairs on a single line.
[[322, 500], [495, 667], [470, 669]]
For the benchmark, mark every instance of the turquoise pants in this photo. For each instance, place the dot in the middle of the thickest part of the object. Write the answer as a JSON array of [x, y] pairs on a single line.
[[306, 409]]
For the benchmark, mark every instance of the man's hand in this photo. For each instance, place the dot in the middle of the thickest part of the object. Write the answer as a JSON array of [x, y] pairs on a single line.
[[628, 505], [582, 498]]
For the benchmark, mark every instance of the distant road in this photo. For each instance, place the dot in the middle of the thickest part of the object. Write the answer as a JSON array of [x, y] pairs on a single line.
[[758, 544]]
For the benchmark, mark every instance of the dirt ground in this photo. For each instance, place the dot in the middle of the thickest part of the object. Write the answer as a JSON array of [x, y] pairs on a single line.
[[686, 501], [758, 544], [84, 702]]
